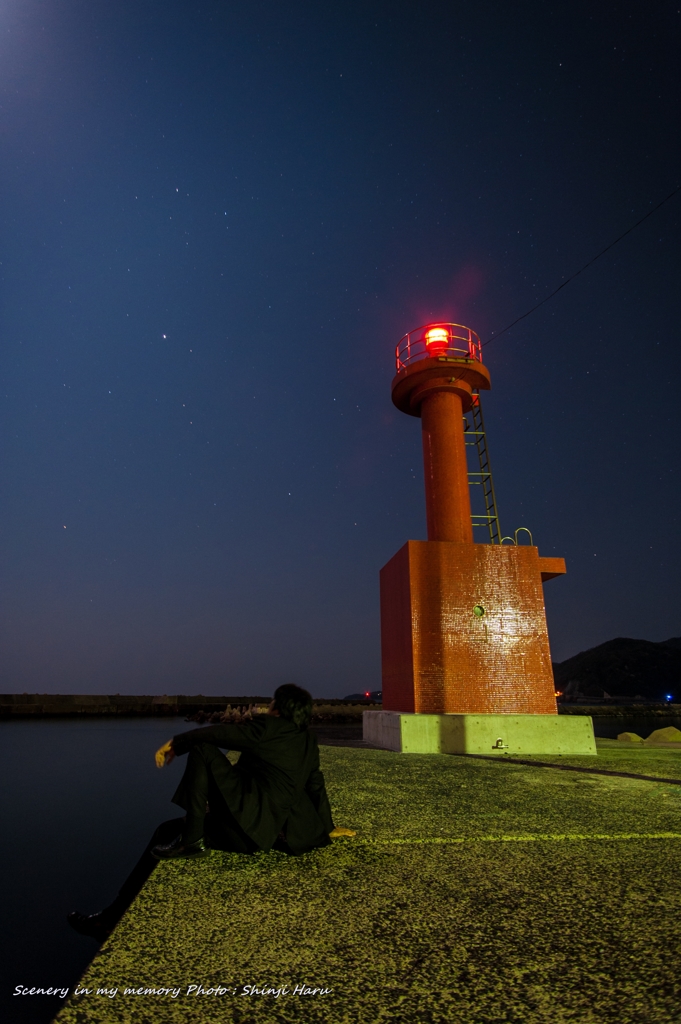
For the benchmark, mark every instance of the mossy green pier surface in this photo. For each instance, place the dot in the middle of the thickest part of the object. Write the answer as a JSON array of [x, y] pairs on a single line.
[[476, 891]]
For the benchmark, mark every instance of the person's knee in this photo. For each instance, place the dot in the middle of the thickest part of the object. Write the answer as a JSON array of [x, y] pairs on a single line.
[[206, 752]]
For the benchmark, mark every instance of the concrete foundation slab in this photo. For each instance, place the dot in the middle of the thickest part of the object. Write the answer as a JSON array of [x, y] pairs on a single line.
[[479, 734]]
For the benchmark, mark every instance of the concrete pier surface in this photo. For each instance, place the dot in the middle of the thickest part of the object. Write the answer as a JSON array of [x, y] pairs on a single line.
[[476, 891]]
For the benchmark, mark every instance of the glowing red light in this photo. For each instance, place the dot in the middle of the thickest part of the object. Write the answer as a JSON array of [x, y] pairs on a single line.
[[437, 341]]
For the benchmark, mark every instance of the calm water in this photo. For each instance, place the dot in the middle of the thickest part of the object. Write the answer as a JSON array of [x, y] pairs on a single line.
[[78, 804]]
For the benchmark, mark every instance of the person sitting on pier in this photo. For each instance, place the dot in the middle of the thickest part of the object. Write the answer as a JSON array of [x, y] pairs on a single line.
[[273, 797]]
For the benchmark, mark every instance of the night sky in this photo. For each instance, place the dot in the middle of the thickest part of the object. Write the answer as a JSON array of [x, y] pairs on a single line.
[[217, 220]]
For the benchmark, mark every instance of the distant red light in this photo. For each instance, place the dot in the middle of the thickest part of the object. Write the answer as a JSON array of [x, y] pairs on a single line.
[[437, 341]]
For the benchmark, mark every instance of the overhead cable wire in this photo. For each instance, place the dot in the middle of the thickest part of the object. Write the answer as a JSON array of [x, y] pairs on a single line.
[[586, 265]]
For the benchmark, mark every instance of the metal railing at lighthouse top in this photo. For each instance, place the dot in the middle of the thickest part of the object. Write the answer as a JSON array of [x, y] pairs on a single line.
[[438, 341]]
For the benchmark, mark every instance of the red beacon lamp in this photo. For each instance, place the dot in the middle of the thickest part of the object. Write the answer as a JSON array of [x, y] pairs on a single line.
[[466, 664], [437, 341]]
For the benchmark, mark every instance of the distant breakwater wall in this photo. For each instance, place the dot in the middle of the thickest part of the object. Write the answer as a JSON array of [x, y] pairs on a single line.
[[53, 705], [622, 710]]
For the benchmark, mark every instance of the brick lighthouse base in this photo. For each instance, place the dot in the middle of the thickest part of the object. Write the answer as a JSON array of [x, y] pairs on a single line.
[[479, 734], [465, 653], [463, 629]]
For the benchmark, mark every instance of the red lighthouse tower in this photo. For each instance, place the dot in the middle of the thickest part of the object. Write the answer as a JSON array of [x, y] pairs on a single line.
[[465, 648]]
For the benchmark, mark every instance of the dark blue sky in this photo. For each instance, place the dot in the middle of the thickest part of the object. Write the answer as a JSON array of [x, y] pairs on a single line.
[[217, 219]]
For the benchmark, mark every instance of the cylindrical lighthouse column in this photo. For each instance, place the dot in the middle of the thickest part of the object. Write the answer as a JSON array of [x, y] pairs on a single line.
[[448, 503], [439, 369]]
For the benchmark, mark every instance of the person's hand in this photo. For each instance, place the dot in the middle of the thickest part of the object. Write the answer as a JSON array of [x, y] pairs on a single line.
[[165, 754], [340, 831]]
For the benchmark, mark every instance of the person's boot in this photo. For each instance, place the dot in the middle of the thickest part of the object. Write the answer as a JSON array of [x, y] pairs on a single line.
[[93, 925], [178, 848]]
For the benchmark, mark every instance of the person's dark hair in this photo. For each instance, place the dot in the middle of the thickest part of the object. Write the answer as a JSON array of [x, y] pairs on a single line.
[[294, 704]]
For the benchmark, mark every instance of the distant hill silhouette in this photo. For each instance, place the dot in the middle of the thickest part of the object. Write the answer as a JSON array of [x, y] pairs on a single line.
[[623, 668]]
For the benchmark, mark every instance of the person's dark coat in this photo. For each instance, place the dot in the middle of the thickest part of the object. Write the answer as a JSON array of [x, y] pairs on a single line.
[[276, 784]]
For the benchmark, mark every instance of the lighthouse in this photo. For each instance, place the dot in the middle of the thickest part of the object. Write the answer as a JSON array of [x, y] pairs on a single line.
[[466, 663]]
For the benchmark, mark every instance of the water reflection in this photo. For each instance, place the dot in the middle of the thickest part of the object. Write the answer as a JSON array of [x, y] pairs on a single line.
[[79, 802]]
